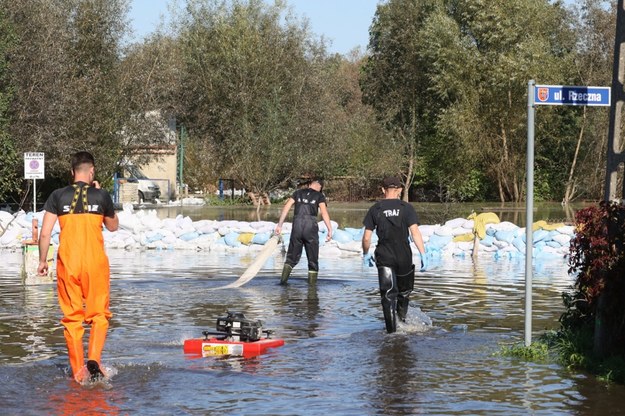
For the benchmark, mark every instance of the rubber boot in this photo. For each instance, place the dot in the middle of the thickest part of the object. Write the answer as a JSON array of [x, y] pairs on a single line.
[[312, 277], [388, 292], [405, 285], [286, 272]]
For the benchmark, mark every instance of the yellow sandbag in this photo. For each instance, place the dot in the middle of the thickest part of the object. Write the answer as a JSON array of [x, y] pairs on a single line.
[[546, 226], [480, 221], [246, 238], [463, 238]]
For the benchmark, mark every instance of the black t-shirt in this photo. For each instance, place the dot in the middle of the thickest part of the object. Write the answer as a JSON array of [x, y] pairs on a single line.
[[307, 201], [391, 218], [98, 201]]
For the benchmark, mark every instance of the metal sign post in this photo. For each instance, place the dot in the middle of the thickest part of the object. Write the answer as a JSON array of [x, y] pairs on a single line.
[[34, 168], [547, 95], [529, 213]]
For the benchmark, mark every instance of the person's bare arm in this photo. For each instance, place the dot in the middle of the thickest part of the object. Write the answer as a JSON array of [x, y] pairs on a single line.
[[45, 235], [326, 219], [417, 238], [111, 224], [285, 212], [366, 241]]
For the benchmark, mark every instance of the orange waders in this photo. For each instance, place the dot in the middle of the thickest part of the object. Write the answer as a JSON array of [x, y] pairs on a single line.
[[83, 282]]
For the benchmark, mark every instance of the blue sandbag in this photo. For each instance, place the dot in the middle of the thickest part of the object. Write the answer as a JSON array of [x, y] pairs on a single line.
[[519, 244], [232, 239], [189, 236], [506, 235], [539, 235], [261, 238], [554, 244], [342, 236], [436, 242], [487, 240], [152, 237]]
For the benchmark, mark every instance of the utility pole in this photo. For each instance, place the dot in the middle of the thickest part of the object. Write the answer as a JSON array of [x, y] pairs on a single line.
[[616, 155]]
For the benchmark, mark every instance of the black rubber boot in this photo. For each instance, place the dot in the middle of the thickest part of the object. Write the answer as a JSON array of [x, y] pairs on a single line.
[[388, 292], [312, 277], [95, 374], [286, 272], [405, 285]]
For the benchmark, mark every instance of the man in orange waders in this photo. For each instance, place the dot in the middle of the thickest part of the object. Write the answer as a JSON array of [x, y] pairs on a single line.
[[83, 278]]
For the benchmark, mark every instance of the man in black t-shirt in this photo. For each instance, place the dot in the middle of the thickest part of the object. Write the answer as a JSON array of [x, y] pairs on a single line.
[[393, 220], [305, 232], [83, 274]]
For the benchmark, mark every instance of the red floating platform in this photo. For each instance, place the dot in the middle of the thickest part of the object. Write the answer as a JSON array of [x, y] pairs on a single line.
[[214, 347]]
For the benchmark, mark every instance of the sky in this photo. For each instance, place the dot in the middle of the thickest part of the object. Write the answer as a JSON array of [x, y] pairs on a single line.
[[343, 23]]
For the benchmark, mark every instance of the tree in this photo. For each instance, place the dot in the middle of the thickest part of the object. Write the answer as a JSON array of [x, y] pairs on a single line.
[[395, 80], [69, 93], [594, 25], [253, 96], [9, 160]]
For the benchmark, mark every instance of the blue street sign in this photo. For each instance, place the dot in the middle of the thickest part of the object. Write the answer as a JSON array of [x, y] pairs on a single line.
[[563, 95]]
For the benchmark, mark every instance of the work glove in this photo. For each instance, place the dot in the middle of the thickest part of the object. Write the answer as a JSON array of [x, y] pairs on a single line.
[[424, 263], [367, 260]]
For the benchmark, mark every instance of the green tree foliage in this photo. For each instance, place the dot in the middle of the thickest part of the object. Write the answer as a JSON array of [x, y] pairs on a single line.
[[253, 94], [9, 161], [395, 80], [70, 92], [495, 55]]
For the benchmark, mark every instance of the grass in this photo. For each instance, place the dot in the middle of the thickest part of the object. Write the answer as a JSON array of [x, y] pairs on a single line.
[[572, 350]]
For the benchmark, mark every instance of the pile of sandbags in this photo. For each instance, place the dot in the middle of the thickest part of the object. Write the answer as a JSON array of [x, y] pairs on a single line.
[[144, 230]]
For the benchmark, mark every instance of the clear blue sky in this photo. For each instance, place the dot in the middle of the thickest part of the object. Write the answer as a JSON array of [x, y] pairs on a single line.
[[344, 23]]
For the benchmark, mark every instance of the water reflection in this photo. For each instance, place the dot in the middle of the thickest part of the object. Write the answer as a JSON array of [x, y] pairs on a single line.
[[397, 369]]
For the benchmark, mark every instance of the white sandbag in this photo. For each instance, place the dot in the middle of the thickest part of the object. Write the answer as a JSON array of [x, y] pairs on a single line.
[[322, 226], [504, 225], [443, 231], [563, 239], [567, 230], [456, 222], [351, 246], [465, 245], [5, 218], [500, 244], [10, 236], [428, 230], [458, 231], [329, 250], [468, 224]]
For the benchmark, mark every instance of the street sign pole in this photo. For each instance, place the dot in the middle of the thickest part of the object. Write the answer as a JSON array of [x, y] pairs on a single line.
[[529, 212], [548, 95]]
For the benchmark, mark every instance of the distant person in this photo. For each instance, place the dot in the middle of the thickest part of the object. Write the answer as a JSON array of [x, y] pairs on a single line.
[[305, 231], [83, 274], [393, 220]]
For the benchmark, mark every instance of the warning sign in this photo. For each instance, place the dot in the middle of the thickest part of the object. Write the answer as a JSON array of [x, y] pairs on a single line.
[[34, 165]]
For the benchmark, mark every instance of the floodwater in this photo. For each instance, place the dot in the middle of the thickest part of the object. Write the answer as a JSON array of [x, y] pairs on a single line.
[[337, 358]]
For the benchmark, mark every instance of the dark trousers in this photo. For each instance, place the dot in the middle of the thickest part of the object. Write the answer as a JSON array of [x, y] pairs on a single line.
[[304, 235]]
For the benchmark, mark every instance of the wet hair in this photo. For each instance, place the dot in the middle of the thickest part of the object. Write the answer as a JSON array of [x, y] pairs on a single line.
[[82, 158]]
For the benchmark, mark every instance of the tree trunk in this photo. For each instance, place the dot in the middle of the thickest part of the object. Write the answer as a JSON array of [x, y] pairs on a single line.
[[571, 183]]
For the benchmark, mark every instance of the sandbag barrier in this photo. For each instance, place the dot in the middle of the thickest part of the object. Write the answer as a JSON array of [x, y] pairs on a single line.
[[144, 230]]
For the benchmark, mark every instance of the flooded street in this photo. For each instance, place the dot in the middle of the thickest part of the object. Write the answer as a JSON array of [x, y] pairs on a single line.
[[337, 358]]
